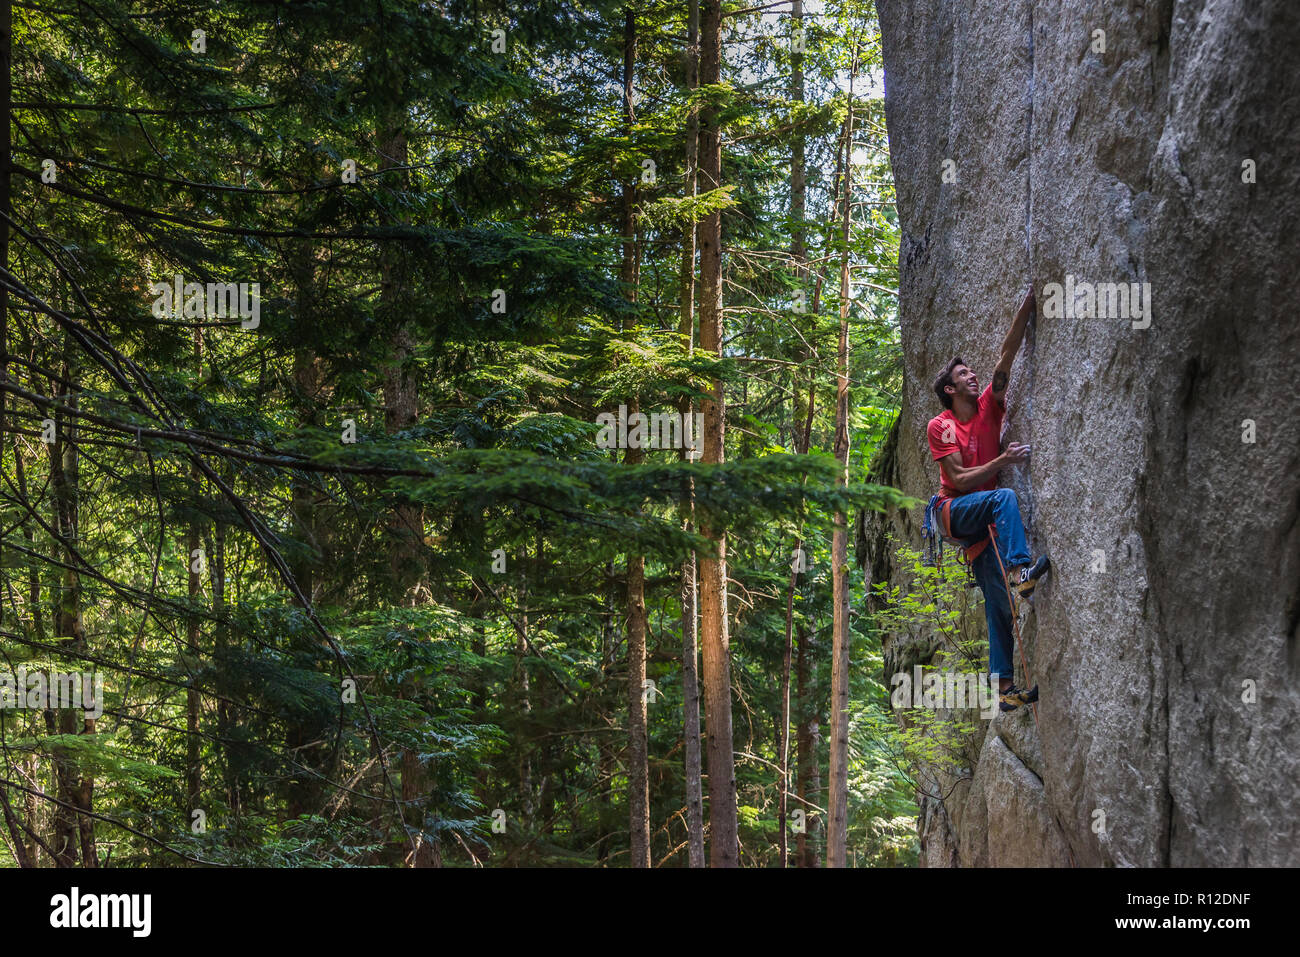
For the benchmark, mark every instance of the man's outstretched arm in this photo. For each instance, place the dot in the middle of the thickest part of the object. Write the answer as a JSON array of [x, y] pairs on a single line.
[[1010, 346]]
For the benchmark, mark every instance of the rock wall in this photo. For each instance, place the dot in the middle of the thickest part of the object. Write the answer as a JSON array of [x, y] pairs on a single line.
[[1165, 474]]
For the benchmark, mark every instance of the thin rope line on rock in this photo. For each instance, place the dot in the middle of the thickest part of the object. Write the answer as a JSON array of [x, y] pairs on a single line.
[[1031, 335]]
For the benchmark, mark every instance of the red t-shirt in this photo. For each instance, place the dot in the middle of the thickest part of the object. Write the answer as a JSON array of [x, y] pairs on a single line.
[[975, 442]]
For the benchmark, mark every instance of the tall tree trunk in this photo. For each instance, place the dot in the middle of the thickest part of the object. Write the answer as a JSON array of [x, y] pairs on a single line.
[[837, 825], [535, 787], [35, 566], [798, 564], [193, 700], [783, 737], [686, 329], [225, 710], [6, 95], [29, 810], [798, 171], [406, 524], [414, 787], [798, 191], [6, 28], [400, 388], [605, 757], [724, 850], [193, 634], [808, 769], [523, 694], [35, 562], [302, 497], [638, 768], [478, 645], [810, 711], [74, 832], [304, 788]]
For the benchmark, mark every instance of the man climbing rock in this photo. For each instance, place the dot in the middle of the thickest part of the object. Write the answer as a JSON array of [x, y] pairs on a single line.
[[964, 440]]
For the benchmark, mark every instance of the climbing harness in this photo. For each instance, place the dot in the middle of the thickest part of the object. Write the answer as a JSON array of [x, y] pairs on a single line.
[[936, 529]]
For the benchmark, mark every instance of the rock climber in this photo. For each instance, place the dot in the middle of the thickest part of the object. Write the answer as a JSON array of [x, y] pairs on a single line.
[[964, 440]]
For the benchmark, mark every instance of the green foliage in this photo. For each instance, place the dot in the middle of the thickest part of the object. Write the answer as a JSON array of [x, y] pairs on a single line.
[[934, 618], [392, 639]]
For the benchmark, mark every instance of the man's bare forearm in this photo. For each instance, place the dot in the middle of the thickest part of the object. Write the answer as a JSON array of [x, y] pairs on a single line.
[[1011, 345], [965, 479], [1016, 334]]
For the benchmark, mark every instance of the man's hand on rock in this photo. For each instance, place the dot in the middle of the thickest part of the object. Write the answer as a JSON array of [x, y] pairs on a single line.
[[1016, 453]]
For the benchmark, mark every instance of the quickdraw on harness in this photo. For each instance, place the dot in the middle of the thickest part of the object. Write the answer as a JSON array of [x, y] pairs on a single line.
[[936, 529]]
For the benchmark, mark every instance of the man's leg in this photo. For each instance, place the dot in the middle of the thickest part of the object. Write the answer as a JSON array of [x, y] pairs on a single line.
[[997, 612], [973, 512]]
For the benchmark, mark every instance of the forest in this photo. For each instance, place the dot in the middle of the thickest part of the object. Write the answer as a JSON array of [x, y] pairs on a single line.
[[433, 434]]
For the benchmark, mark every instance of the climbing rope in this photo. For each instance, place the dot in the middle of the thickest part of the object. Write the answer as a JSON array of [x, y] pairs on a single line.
[[1031, 335], [1029, 150]]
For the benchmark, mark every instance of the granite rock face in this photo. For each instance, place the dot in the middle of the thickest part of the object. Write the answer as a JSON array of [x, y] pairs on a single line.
[[1161, 153]]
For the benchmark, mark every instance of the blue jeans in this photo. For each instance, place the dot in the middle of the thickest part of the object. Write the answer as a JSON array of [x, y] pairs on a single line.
[[971, 515]]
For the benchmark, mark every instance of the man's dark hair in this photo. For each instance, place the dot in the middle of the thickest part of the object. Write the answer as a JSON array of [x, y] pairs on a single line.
[[945, 380]]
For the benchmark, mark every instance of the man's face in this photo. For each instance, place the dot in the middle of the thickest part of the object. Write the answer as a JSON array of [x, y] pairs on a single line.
[[965, 382]]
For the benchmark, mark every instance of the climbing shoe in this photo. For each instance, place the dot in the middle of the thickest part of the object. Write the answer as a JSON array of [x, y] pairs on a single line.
[[1022, 584], [1013, 698]]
